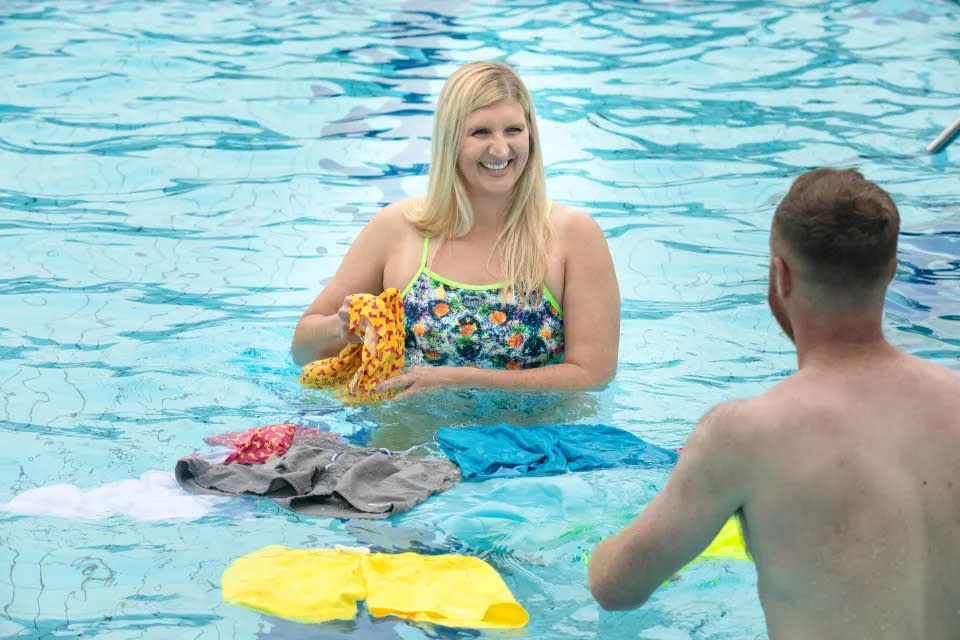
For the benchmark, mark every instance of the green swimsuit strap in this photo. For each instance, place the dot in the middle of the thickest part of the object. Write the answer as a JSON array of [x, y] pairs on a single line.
[[423, 265]]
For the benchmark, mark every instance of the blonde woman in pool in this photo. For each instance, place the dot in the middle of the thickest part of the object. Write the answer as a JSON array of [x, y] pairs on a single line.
[[551, 318]]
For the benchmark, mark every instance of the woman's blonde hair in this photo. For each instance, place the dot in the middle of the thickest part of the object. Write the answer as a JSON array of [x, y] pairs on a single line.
[[525, 237]]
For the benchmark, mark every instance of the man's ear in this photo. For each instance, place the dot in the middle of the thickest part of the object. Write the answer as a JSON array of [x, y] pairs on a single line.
[[893, 271], [784, 277]]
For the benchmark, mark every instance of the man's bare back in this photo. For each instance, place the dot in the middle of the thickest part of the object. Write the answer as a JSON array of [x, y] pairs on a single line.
[[845, 474], [853, 511]]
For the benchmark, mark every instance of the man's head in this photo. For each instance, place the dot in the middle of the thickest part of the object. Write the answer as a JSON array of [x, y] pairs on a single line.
[[834, 242]]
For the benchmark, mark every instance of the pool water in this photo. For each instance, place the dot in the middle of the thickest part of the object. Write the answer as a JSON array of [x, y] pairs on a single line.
[[178, 179]]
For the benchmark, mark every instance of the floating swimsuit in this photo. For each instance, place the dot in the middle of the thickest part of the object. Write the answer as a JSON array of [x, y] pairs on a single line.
[[729, 543], [505, 450], [316, 585], [327, 478], [256, 445], [455, 324]]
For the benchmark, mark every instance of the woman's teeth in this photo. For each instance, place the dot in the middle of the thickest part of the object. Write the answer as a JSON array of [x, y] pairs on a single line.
[[495, 167]]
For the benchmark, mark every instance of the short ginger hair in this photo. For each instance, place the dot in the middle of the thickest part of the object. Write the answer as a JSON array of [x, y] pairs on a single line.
[[841, 228]]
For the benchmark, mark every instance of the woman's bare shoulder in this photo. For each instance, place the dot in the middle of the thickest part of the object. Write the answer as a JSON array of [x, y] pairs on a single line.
[[393, 219], [398, 212], [571, 224]]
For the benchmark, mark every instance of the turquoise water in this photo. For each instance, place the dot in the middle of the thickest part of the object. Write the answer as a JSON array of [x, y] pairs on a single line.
[[179, 179]]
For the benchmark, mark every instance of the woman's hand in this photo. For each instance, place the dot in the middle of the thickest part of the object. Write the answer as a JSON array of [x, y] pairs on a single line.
[[418, 379], [343, 315]]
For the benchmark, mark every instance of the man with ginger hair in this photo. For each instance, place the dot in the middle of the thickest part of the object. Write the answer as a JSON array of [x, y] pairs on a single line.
[[844, 475]]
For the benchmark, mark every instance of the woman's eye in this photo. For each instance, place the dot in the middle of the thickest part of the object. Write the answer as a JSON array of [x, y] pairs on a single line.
[[480, 132]]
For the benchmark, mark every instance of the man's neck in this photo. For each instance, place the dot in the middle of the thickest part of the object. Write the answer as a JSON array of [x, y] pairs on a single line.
[[828, 341]]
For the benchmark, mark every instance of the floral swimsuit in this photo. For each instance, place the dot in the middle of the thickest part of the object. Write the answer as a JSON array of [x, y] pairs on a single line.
[[454, 324]]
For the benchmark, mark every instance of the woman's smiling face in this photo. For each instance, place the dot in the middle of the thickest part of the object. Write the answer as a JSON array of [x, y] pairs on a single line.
[[494, 149]]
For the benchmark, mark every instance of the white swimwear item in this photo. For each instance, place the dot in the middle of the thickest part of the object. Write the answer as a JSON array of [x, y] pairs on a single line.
[[156, 495]]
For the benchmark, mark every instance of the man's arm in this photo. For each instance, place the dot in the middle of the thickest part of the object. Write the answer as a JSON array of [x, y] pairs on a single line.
[[707, 486]]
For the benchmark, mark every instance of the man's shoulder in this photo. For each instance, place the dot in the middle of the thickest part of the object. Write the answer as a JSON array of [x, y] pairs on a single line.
[[744, 414], [936, 372], [728, 428], [748, 423]]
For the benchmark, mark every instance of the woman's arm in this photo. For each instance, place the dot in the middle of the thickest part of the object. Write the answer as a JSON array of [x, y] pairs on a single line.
[[321, 331], [591, 324]]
